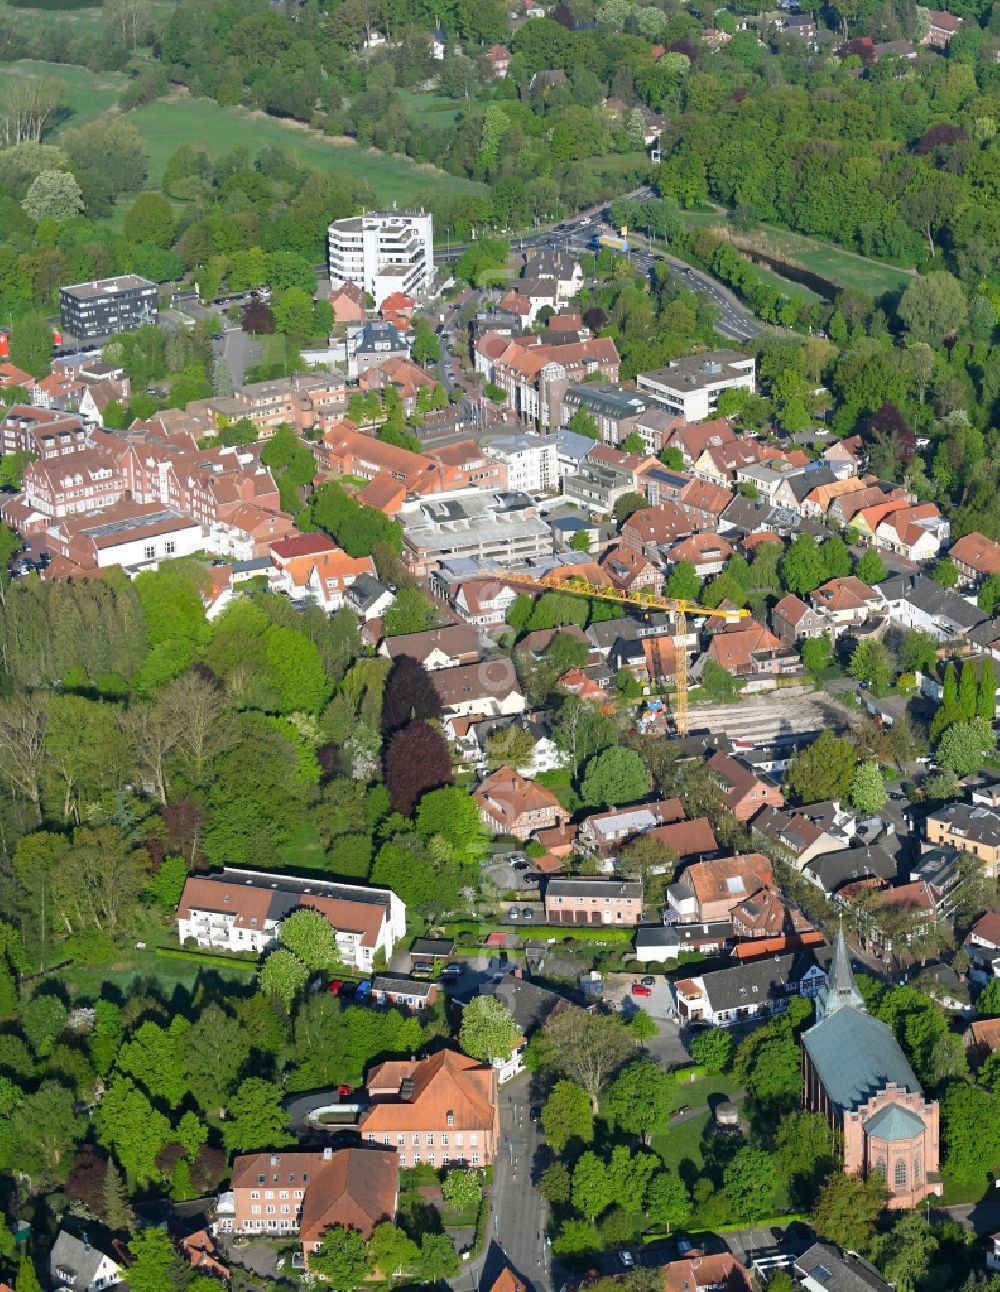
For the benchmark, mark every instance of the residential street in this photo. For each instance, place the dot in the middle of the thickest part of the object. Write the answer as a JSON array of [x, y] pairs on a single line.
[[519, 1213]]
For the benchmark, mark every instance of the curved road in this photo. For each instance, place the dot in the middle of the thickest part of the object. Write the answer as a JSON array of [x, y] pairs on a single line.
[[735, 320]]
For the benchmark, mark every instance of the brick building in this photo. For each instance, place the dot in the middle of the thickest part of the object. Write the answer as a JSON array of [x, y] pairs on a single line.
[[593, 901], [442, 1110], [858, 1077]]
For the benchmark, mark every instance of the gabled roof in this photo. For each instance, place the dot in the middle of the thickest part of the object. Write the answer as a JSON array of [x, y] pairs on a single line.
[[490, 679], [791, 608], [735, 650], [687, 838], [834, 869], [735, 877], [856, 1056], [978, 552], [445, 1082], [838, 1271], [454, 640], [847, 593], [987, 928], [507, 795]]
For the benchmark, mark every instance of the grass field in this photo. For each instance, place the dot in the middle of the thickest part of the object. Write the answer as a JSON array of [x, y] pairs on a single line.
[[88, 95], [167, 124], [841, 267], [433, 109], [75, 22], [794, 291], [302, 850], [681, 1142]]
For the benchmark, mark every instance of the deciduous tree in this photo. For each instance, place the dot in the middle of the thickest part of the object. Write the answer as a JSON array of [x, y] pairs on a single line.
[[488, 1029], [567, 1115], [588, 1048]]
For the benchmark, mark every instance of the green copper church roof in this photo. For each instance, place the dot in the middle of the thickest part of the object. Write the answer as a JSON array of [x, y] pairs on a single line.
[[856, 1056], [894, 1122]]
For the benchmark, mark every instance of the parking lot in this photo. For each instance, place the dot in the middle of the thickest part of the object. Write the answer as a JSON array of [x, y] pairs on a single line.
[[512, 873], [658, 1004]]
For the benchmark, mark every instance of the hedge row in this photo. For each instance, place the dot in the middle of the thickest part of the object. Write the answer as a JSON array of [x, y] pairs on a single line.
[[206, 958]]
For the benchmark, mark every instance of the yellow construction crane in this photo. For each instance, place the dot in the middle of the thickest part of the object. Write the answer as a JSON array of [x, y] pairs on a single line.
[[641, 599]]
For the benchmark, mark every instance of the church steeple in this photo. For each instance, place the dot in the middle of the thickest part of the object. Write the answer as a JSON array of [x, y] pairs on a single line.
[[840, 989]]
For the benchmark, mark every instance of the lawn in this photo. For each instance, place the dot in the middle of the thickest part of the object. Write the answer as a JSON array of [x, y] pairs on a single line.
[[433, 109], [88, 95], [167, 124], [302, 850], [681, 1141], [135, 971], [75, 22], [842, 267]]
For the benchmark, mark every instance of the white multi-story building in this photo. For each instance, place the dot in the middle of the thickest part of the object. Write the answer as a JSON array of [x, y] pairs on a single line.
[[531, 461], [690, 387], [241, 910], [383, 253]]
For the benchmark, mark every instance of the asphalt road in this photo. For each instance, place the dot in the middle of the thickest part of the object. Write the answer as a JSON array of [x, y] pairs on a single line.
[[576, 233], [519, 1212]]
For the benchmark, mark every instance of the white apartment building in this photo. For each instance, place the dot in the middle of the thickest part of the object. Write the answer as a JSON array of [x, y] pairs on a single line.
[[241, 910], [532, 461], [383, 253], [690, 387]]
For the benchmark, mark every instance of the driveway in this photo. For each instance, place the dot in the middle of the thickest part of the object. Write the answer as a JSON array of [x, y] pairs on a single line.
[[618, 994]]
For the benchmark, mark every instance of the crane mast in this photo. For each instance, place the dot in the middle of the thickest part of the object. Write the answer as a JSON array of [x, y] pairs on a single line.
[[641, 599]]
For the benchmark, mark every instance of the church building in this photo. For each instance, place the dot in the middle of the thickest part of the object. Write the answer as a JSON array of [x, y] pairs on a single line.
[[856, 1074]]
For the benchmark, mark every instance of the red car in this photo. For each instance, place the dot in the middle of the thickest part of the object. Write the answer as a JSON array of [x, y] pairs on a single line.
[[640, 989], [343, 1091], [336, 987]]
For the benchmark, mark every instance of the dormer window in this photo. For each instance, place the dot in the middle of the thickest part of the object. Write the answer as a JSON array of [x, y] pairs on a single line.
[[450, 1118]]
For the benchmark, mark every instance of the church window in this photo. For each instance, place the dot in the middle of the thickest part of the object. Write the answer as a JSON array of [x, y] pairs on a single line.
[[900, 1174], [916, 1169], [880, 1166]]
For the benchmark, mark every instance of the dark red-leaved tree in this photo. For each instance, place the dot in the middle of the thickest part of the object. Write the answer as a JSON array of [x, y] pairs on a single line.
[[416, 761], [208, 1168], [184, 820], [595, 318], [257, 316], [563, 15], [939, 136], [169, 1155], [686, 48], [409, 693], [86, 1178]]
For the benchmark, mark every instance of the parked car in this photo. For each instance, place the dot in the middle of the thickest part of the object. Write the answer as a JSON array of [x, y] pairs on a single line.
[[627, 1259], [336, 987], [527, 913], [649, 981], [512, 913], [343, 1091], [364, 990], [640, 989]]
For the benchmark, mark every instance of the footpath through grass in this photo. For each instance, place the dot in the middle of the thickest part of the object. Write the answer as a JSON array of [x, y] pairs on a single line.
[[678, 1142], [845, 268]]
